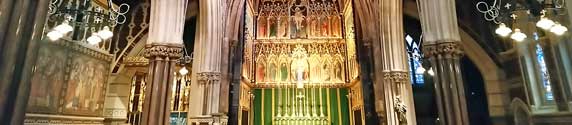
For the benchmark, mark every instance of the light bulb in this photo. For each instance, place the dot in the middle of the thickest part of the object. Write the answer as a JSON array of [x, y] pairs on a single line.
[[64, 27], [420, 70], [503, 30], [105, 33], [183, 71], [558, 29], [545, 23], [93, 39], [518, 36], [430, 72], [54, 35]]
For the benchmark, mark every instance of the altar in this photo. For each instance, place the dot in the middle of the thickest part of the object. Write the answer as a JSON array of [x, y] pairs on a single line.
[[300, 65]]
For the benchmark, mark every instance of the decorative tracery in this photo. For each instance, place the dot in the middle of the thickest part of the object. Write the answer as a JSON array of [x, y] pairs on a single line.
[[298, 19], [282, 63]]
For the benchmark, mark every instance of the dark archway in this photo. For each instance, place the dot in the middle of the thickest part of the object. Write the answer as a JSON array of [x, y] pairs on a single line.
[[423, 91], [475, 93]]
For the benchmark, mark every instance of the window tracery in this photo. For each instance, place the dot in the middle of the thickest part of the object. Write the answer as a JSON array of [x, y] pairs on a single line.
[[416, 70]]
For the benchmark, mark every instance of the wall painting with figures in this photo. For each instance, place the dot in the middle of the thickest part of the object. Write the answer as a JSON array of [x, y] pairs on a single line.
[[70, 79]]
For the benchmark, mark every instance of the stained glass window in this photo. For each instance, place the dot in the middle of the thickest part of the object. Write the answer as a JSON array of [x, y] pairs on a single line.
[[544, 72], [415, 68]]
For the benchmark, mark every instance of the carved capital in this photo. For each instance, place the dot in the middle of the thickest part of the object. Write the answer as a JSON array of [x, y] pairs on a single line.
[[208, 76], [164, 50], [430, 50], [450, 49], [397, 76], [446, 49]]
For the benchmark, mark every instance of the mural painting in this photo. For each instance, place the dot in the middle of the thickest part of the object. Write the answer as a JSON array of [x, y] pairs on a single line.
[[47, 81], [69, 80]]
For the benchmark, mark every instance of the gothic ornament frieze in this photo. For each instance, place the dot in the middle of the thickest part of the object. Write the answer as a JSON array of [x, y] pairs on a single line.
[[397, 76], [447, 49], [164, 50], [209, 76]]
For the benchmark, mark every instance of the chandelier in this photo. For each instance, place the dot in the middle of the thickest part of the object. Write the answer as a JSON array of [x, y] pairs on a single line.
[[494, 14], [92, 18]]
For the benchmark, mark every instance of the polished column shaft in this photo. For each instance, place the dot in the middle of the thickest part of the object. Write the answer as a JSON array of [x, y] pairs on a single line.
[[163, 49], [443, 50], [21, 29]]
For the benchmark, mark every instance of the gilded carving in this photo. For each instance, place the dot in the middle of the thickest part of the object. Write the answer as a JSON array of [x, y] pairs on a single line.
[[135, 61], [397, 76], [164, 50]]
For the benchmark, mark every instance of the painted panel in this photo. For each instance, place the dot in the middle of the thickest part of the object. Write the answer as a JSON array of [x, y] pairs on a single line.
[[48, 80], [86, 85], [70, 79]]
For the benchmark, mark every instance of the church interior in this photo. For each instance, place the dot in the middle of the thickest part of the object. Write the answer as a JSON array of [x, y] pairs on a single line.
[[285, 62]]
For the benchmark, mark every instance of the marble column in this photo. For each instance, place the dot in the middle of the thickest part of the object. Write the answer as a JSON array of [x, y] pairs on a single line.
[[397, 91], [163, 49], [443, 50], [207, 91], [21, 29]]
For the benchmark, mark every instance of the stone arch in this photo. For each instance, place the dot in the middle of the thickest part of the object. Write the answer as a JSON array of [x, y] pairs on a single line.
[[493, 76], [520, 112], [117, 94]]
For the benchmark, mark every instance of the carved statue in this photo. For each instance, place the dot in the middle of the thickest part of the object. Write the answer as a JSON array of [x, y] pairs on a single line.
[[401, 110], [298, 18]]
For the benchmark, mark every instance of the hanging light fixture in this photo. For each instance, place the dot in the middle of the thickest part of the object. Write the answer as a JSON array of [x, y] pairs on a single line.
[[105, 33], [545, 23], [94, 39], [518, 36], [86, 15], [55, 35], [64, 27], [183, 71], [495, 14], [503, 30], [430, 72], [558, 29]]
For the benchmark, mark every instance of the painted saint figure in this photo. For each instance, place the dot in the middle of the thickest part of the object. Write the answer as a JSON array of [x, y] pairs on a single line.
[[262, 27], [273, 26], [260, 72]]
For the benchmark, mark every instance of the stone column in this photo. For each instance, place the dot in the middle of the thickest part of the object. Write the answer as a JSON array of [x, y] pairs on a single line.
[[206, 92], [21, 29], [443, 50], [163, 49], [555, 63], [556, 72], [367, 46], [397, 91]]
